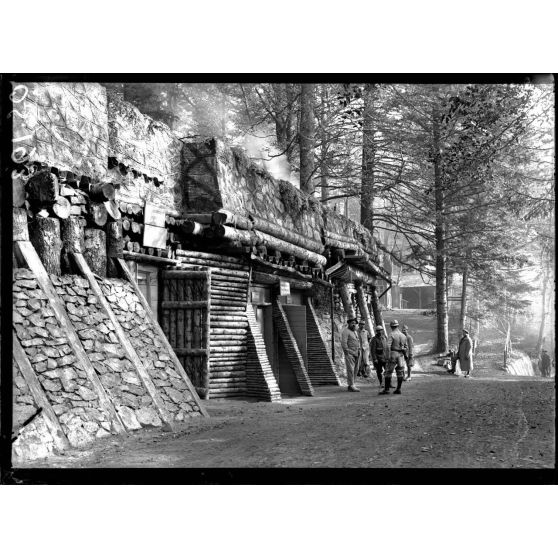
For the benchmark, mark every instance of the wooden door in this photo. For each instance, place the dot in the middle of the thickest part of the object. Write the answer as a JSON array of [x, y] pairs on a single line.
[[296, 315], [184, 316]]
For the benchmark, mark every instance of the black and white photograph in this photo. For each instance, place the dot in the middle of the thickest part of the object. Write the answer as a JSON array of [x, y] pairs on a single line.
[[242, 274], [277, 279]]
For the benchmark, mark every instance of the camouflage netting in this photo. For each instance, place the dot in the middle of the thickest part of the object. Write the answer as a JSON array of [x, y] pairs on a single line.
[[62, 378], [67, 124], [150, 349], [218, 177], [149, 150], [117, 374]]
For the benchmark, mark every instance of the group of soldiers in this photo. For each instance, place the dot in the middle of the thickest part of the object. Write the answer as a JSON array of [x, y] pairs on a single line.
[[389, 354]]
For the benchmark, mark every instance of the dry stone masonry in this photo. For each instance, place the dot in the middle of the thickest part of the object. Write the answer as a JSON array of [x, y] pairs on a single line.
[[64, 125], [35, 439], [150, 349], [116, 372], [62, 378]]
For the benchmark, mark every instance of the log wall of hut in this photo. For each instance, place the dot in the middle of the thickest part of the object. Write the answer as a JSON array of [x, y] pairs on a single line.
[[221, 213]]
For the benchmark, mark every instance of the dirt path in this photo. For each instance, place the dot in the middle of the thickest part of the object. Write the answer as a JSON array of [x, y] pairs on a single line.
[[439, 421]]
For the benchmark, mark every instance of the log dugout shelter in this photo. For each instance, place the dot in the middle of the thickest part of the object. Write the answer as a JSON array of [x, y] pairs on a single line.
[[241, 271]]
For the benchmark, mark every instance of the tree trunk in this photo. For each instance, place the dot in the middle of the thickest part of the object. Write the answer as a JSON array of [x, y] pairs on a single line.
[[112, 210], [96, 251], [289, 128], [45, 237], [19, 227], [279, 104], [115, 248], [103, 191], [346, 300], [18, 192], [376, 310], [43, 188], [439, 233], [540, 340], [463, 315], [363, 307], [72, 236], [72, 241], [307, 138], [324, 144], [61, 208], [368, 159]]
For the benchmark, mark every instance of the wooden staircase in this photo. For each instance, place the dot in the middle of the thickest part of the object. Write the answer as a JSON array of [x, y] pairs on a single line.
[[320, 366]]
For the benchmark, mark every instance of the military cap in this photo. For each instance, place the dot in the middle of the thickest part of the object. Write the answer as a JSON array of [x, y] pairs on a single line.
[[394, 323]]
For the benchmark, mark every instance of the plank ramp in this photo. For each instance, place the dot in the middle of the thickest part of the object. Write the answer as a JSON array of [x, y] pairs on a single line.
[[293, 353], [261, 381]]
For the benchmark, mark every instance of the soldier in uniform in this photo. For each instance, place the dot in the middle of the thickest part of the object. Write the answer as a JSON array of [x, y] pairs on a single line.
[[350, 343], [380, 353], [397, 344], [409, 359], [364, 337]]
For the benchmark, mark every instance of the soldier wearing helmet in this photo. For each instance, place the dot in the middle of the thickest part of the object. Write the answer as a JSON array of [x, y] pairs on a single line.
[[397, 344], [379, 351]]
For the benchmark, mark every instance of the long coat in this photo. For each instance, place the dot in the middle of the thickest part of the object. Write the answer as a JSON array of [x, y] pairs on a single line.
[[465, 354]]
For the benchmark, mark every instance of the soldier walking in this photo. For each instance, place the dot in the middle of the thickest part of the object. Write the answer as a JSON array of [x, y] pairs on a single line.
[[350, 343], [397, 344], [410, 358], [380, 353]]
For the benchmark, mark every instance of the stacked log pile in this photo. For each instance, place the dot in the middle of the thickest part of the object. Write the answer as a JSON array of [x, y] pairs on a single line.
[[151, 350], [132, 227], [117, 374], [63, 380], [65, 213], [260, 380]]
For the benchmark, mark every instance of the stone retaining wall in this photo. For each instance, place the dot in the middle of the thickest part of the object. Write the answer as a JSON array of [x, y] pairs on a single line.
[[65, 125], [149, 155], [150, 349], [34, 440], [96, 332], [62, 378]]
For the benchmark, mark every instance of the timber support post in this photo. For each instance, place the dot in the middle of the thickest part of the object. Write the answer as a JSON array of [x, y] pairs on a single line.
[[363, 307], [378, 319], [346, 300]]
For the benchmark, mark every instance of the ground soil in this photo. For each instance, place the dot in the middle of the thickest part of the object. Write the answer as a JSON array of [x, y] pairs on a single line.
[[488, 421]]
